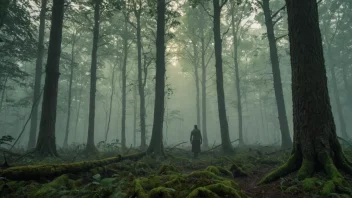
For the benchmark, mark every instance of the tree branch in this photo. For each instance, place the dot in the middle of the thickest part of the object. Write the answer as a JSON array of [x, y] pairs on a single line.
[[278, 11]]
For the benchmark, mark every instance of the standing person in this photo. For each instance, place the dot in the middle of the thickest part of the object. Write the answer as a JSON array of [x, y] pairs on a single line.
[[196, 140]]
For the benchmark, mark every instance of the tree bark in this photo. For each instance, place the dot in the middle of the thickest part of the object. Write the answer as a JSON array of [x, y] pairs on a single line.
[[124, 82], [111, 101], [315, 140], [225, 137], [4, 6], [286, 141], [93, 78], [70, 91], [134, 116], [204, 83], [46, 145], [38, 77], [78, 110], [237, 76], [140, 81], [156, 142], [196, 74]]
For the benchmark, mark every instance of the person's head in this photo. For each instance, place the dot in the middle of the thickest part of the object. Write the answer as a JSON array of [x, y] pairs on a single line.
[[195, 126]]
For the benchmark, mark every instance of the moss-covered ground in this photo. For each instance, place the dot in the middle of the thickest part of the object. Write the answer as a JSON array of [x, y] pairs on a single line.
[[175, 175]]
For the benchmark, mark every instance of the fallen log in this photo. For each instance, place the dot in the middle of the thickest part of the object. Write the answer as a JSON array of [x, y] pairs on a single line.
[[35, 172]]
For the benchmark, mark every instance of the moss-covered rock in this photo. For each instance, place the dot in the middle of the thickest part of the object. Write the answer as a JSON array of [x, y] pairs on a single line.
[[237, 171], [217, 170], [167, 169]]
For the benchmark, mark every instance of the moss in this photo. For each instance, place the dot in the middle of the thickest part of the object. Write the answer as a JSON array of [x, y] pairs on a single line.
[[52, 170], [202, 192], [310, 184], [306, 169], [292, 190], [49, 189], [162, 192], [166, 169], [223, 190], [217, 170], [283, 170], [237, 171], [328, 188]]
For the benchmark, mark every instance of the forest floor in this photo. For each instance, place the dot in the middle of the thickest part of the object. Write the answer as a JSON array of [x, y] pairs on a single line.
[[176, 175]]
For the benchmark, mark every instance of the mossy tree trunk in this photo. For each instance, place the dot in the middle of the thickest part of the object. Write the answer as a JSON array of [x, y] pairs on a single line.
[[224, 127], [38, 77], [46, 144], [286, 141], [90, 148], [156, 142], [315, 141], [196, 75]]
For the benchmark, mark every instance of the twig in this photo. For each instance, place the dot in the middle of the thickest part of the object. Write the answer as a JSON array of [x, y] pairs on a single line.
[[219, 146], [175, 146]]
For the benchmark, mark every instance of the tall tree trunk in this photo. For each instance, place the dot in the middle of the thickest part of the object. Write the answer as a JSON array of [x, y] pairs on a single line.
[[286, 141], [111, 100], [237, 76], [78, 111], [225, 137], [38, 77], [46, 145], [196, 74], [338, 102], [156, 142], [204, 95], [70, 92], [346, 85], [134, 115], [124, 82], [140, 82], [3, 92], [315, 140], [93, 78], [204, 82]]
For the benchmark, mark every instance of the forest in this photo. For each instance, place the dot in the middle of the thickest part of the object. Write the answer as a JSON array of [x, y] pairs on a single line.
[[175, 98]]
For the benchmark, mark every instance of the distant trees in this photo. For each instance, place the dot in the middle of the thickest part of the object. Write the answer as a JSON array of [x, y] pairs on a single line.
[[46, 144]]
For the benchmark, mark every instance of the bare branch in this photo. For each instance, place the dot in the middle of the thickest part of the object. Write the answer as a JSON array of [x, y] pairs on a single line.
[[206, 10], [280, 37], [277, 20], [278, 11]]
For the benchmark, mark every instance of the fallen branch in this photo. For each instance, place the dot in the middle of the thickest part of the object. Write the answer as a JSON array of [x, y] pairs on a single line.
[[218, 146], [34, 172], [168, 149]]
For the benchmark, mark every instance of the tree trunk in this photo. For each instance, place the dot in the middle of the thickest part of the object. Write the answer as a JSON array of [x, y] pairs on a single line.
[[38, 78], [225, 137], [237, 76], [111, 100], [93, 78], [338, 102], [46, 145], [124, 82], [78, 110], [196, 74], [315, 141], [3, 92], [70, 92], [134, 116], [204, 95], [346, 85], [286, 141], [140, 82], [4, 6], [156, 142]]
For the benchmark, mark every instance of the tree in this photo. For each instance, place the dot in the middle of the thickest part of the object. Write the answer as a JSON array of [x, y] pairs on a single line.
[[315, 140], [46, 145], [286, 141], [38, 77], [93, 78], [72, 65], [156, 143], [224, 127]]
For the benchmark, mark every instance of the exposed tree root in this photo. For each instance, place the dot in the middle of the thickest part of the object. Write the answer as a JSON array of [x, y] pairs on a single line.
[[306, 169], [54, 170]]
